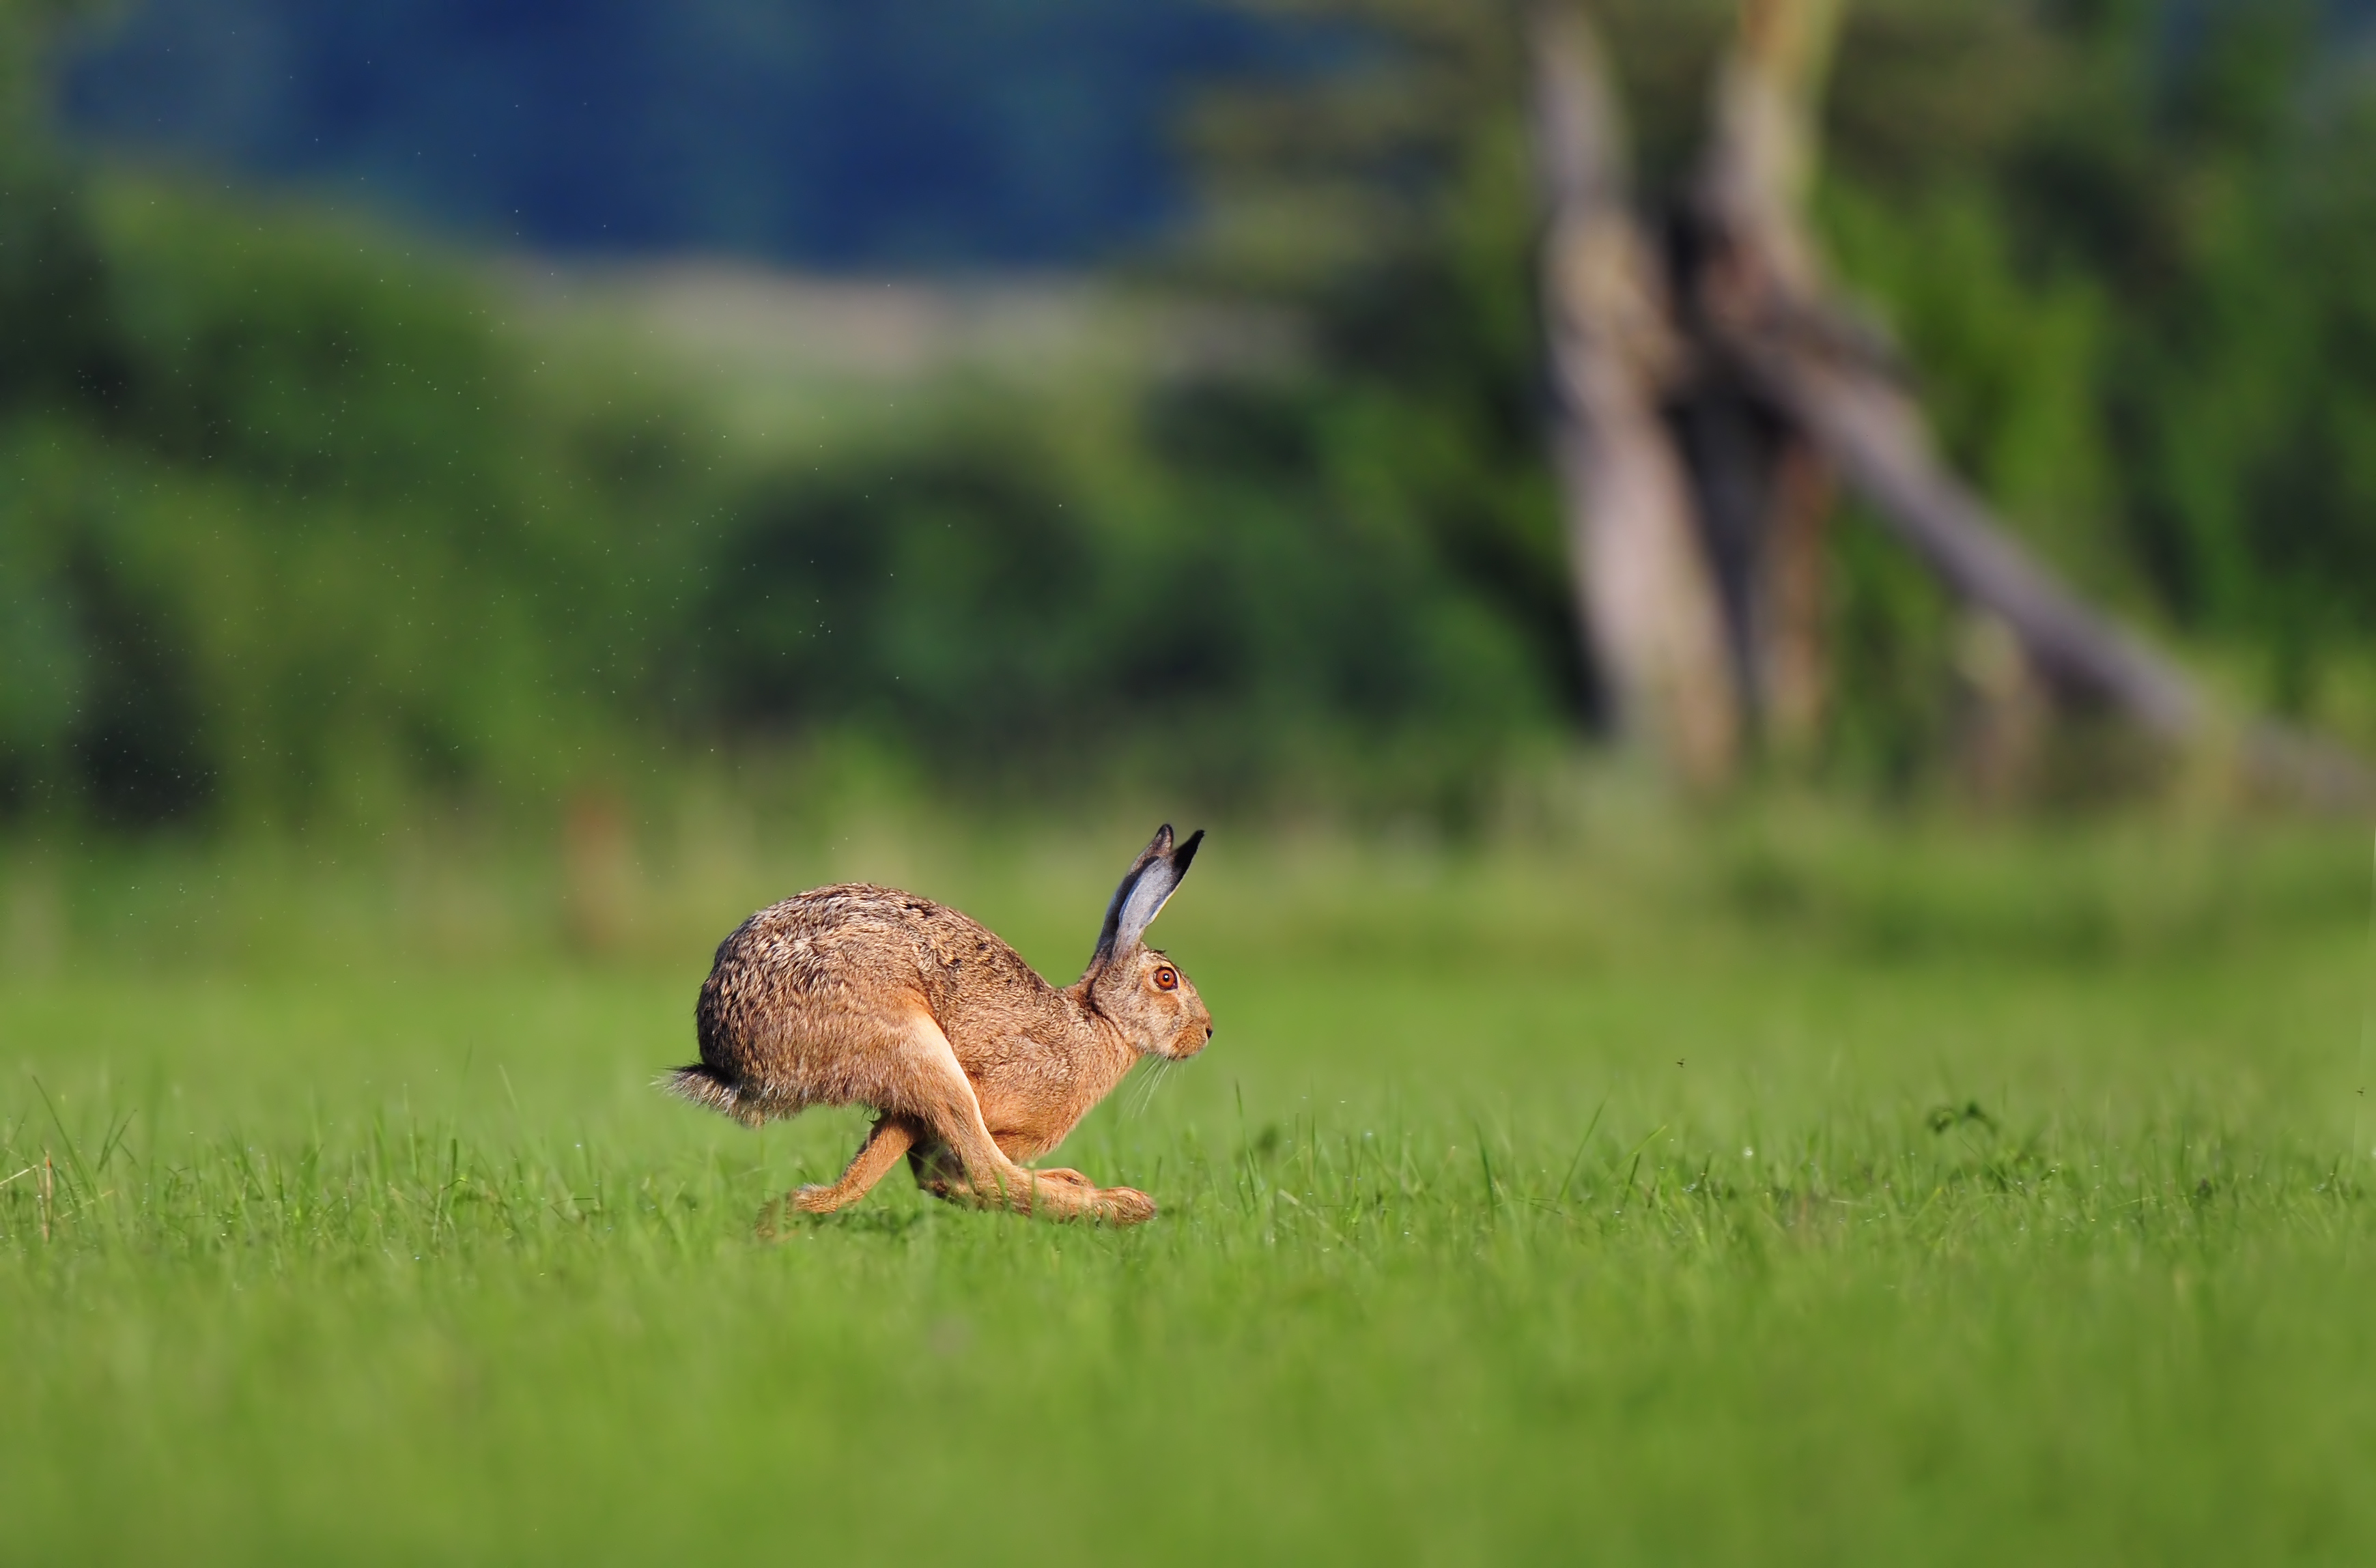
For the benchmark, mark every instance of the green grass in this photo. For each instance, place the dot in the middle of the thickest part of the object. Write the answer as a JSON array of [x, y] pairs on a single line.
[[1810, 1193]]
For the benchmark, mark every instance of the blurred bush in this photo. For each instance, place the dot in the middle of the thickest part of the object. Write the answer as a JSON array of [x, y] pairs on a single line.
[[305, 529], [286, 518], [1014, 585]]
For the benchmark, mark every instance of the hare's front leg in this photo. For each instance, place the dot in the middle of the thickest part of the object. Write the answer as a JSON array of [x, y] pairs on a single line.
[[1066, 1194], [892, 1137], [1115, 1205]]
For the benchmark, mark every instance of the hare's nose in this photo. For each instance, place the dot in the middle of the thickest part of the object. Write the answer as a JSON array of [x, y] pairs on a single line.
[[1208, 1031]]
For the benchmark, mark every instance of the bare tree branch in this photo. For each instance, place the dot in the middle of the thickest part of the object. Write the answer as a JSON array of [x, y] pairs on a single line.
[[1874, 431]]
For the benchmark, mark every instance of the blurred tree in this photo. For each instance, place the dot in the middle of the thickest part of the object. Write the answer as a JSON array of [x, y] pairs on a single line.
[[1648, 592], [2138, 294], [2071, 213]]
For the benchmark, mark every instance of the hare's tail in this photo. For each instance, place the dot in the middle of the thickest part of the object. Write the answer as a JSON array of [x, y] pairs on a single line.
[[701, 1084]]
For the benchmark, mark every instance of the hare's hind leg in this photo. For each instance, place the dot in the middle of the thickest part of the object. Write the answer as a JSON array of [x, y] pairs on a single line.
[[883, 1146]]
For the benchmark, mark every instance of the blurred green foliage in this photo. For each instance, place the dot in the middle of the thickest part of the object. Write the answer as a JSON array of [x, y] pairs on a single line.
[[1072, 595], [295, 523]]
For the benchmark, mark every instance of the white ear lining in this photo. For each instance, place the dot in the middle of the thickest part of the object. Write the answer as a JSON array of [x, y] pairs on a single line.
[[1147, 896], [1145, 889]]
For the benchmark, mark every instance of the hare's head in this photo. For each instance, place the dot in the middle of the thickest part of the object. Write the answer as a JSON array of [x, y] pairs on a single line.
[[1143, 991]]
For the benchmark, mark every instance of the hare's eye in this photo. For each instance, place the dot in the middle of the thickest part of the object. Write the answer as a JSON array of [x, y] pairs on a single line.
[[1168, 978]]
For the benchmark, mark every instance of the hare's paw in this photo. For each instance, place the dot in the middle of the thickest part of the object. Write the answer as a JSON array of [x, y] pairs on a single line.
[[1122, 1206], [1069, 1177], [812, 1199]]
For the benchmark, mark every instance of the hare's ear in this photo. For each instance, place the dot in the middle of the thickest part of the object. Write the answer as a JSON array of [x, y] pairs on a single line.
[[1145, 886]]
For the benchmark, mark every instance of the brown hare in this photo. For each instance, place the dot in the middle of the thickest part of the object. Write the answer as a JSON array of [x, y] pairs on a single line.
[[973, 1065]]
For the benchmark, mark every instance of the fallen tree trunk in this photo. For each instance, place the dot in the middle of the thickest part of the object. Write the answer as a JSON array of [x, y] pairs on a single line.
[[1829, 378], [1871, 430]]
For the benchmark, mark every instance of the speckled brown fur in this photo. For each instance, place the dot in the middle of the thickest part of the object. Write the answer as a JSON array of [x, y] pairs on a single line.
[[862, 995]]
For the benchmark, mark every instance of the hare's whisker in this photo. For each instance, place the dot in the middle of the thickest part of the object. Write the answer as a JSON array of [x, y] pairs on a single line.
[[1150, 1080], [1143, 1091], [1155, 1082]]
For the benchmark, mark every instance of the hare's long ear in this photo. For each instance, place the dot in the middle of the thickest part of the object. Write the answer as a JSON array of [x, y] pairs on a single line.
[[1150, 881]]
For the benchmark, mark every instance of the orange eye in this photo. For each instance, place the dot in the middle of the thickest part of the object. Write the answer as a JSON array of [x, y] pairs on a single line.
[[1167, 977]]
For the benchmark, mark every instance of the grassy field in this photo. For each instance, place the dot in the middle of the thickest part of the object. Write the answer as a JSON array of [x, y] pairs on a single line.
[[1764, 1190]]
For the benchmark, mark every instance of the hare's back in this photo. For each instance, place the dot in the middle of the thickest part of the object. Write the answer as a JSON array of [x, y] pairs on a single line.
[[854, 945], [829, 939]]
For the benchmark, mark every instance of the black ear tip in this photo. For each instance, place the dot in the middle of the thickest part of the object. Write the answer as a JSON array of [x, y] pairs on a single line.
[[1186, 852]]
